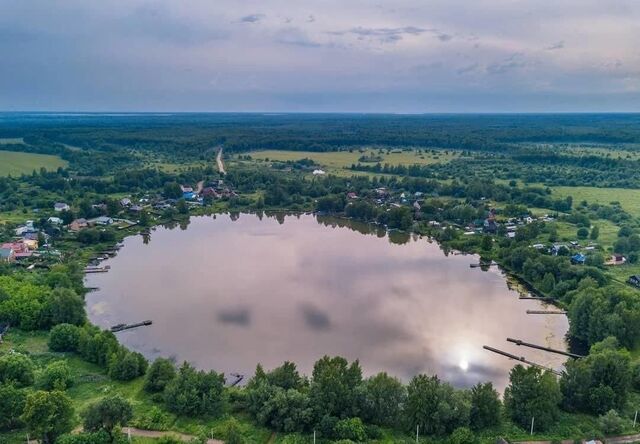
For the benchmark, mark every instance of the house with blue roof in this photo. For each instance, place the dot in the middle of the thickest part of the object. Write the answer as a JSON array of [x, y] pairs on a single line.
[[578, 259]]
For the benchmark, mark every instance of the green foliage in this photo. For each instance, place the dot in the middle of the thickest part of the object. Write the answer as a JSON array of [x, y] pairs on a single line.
[[462, 435], [611, 423], [152, 419], [532, 394], [56, 376], [381, 400], [160, 373], [195, 392], [333, 389], [12, 401], [16, 368], [595, 233], [350, 428], [125, 365], [65, 307], [485, 406], [48, 414], [598, 383], [435, 406], [64, 338], [583, 233], [107, 413]]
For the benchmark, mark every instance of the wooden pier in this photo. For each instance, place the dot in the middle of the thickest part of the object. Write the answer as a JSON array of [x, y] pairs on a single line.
[[547, 349], [546, 312], [121, 327], [521, 359], [534, 298]]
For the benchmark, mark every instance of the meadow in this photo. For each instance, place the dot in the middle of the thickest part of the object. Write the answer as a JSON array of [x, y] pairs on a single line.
[[16, 163]]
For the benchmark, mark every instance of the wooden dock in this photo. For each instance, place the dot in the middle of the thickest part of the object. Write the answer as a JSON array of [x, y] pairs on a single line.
[[546, 312], [121, 327], [534, 298], [521, 359], [547, 349]]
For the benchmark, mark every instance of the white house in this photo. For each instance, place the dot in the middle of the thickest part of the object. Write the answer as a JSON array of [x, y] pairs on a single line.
[[61, 206], [55, 220], [318, 172]]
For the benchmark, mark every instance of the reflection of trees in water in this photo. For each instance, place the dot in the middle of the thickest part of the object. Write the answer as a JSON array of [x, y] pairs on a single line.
[[146, 238]]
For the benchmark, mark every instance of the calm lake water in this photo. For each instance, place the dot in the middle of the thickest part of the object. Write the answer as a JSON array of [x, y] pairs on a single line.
[[228, 292]]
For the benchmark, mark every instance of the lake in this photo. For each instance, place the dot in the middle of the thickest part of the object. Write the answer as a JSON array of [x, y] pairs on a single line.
[[228, 292]]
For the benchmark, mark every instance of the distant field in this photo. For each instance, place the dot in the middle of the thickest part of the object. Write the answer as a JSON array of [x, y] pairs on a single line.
[[16, 163], [343, 159], [11, 140], [629, 199]]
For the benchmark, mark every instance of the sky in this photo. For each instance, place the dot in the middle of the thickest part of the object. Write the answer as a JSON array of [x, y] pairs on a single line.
[[399, 56]]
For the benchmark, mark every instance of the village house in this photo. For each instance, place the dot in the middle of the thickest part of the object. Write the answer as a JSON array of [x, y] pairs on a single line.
[[318, 172], [135, 209], [186, 189], [125, 202], [26, 228], [102, 220], [578, 259], [55, 221], [616, 259], [78, 224], [209, 192], [59, 207], [634, 280], [7, 255], [352, 195]]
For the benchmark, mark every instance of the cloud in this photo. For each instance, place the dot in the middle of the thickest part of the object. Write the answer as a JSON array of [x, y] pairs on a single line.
[[237, 316], [315, 318], [514, 61], [468, 68], [557, 45], [296, 37], [384, 35], [252, 18]]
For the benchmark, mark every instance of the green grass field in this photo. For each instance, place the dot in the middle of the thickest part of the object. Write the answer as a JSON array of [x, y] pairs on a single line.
[[629, 199], [15, 163], [339, 160]]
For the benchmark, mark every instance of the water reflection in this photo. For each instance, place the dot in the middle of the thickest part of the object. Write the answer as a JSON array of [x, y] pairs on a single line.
[[228, 294]]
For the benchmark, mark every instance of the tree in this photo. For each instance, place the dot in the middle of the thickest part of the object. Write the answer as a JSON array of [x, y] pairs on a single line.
[[48, 414], [144, 220], [65, 307], [107, 413], [598, 383], [595, 233], [487, 243], [435, 406], [350, 428], [172, 190], [611, 423], [160, 373], [182, 207], [532, 393], [582, 233], [381, 400], [333, 387], [125, 365], [64, 338], [485, 406], [16, 368], [56, 376], [12, 400], [194, 392], [462, 435]]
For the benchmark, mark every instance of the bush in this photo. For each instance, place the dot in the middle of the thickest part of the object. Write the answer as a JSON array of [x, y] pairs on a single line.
[[125, 365], [161, 372], [462, 435], [611, 423], [64, 338], [583, 233], [153, 419], [16, 368], [351, 428], [56, 376]]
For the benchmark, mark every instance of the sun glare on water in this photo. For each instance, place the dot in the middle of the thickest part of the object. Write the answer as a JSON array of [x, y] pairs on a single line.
[[464, 365]]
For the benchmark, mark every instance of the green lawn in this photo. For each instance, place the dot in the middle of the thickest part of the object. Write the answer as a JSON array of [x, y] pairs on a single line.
[[15, 163], [629, 199], [338, 160]]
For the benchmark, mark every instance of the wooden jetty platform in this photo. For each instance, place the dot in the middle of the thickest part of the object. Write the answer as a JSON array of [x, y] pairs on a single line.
[[121, 327], [238, 379], [96, 269], [546, 312], [521, 359], [534, 298], [547, 349]]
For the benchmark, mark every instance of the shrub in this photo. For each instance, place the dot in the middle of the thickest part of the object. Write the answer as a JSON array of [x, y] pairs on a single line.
[[56, 376], [64, 338], [16, 368], [160, 373], [351, 429], [611, 423]]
